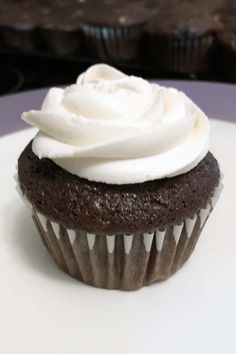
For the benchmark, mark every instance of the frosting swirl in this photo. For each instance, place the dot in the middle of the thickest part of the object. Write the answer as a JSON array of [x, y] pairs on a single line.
[[118, 129]]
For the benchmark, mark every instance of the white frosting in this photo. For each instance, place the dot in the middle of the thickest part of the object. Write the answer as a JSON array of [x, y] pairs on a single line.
[[114, 128]]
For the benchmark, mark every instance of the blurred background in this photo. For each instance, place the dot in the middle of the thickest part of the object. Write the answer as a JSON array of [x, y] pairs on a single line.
[[46, 43]]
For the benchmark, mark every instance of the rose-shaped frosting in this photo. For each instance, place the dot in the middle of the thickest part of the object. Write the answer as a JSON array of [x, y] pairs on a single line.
[[118, 129]]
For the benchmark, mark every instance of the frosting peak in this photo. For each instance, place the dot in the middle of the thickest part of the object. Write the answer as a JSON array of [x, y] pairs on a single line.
[[114, 128]]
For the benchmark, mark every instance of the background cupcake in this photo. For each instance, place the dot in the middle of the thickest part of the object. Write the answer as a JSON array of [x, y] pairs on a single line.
[[18, 26], [97, 182], [227, 42], [182, 35], [114, 31], [59, 28]]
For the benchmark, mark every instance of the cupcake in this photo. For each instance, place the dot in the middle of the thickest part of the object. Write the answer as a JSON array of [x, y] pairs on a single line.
[[115, 31], [17, 26], [37, 27], [59, 28], [227, 43], [119, 178], [182, 36]]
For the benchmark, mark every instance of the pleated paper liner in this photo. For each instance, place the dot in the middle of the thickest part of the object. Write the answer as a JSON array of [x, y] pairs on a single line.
[[188, 55], [128, 261], [114, 44]]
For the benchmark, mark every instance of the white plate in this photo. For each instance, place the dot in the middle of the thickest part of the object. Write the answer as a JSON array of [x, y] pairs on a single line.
[[44, 311]]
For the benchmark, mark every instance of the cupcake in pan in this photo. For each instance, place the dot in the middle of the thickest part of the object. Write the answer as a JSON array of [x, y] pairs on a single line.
[[227, 43], [182, 36], [42, 26], [17, 26], [119, 179], [116, 31], [59, 28]]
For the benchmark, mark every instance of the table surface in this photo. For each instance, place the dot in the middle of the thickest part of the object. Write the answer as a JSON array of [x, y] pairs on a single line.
[[215, 99]]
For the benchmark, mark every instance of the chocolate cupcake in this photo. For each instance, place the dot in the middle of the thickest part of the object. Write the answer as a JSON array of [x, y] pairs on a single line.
[[17, 26], [227, 42], [119, 179], [182, 36], [59, 28], [115, 31], [42, 26]]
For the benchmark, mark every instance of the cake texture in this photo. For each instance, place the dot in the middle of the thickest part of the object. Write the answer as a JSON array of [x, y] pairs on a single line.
[[104, 209], [120, 191]]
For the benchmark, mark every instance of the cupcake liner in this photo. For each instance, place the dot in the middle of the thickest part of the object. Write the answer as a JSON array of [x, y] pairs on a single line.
[[117, 43], [188, 55], [128, 261]]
